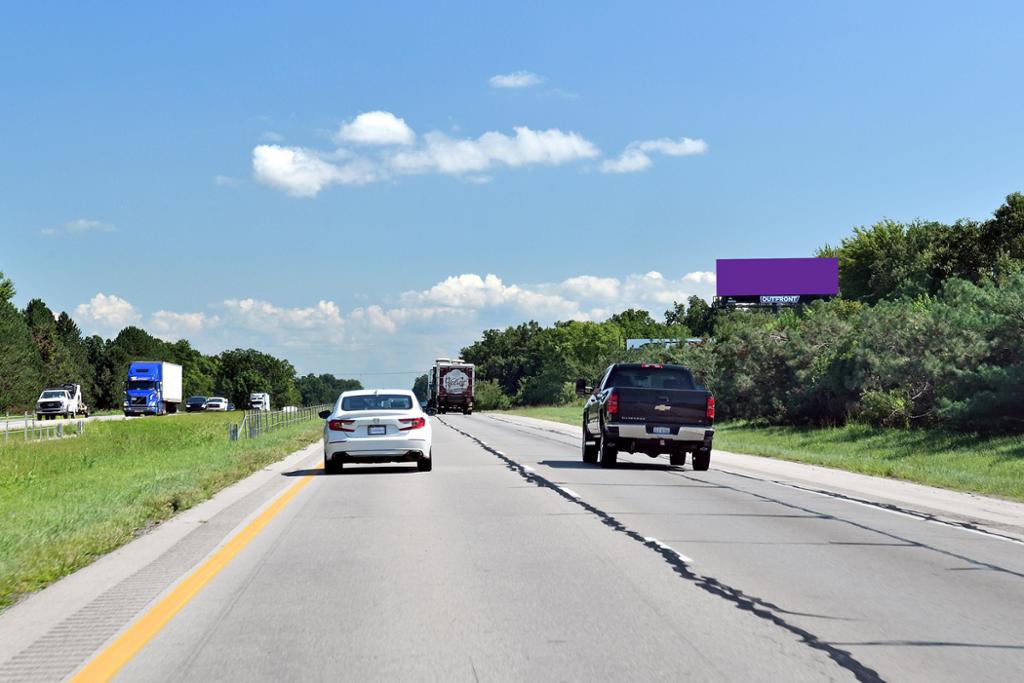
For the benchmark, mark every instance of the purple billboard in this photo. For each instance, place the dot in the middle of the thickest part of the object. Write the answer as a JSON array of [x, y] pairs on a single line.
[[777, 276]]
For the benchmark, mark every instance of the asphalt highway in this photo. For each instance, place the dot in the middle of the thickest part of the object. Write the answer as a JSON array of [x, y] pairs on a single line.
[[513, 560]]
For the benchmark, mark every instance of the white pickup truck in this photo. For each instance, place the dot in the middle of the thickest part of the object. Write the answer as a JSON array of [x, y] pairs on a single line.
[[65, 400]]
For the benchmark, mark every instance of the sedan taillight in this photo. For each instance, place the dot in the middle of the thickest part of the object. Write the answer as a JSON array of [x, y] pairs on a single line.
[[412, 423], [341, 425]]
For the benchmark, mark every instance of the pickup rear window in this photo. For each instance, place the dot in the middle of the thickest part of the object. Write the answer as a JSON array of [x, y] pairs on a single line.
[[652, 378]]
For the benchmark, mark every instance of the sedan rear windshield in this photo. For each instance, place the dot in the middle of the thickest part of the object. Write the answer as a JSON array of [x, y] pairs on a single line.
[[378, 402], [652, 378]]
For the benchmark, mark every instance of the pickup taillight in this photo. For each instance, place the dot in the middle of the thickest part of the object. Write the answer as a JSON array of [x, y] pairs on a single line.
[[613, 404], [710, 411]]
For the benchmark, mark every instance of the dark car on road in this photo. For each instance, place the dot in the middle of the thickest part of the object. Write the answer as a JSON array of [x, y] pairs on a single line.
[[195, 404], [647, 408]]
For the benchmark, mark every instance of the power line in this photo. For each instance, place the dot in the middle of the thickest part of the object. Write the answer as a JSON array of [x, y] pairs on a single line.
[[364, 374]]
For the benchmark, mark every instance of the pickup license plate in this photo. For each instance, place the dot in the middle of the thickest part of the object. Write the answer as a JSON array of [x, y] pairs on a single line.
[[661, 430], [376, 430]]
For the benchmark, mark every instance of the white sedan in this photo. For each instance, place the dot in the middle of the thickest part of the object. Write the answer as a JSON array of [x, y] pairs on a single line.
[[216, 403], [376, 426]]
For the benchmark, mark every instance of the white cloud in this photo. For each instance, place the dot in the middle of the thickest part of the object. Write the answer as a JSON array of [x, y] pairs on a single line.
[[444, 154], [263, 314], [674, 148], [636, 156], [303, 173], [107, 313], [171, 326], [631, 161], [271, 136], [517, 79], [376, 128], [704, 277], [80, 225], [603, 288]]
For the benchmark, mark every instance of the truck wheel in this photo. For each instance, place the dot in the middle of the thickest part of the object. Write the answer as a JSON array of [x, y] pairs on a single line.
[[39, 416], [589, 449], [607, 453], [677, 459], [702, 459]]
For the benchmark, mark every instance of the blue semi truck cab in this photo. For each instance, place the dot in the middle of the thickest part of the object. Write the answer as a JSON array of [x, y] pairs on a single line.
[[152, 388]]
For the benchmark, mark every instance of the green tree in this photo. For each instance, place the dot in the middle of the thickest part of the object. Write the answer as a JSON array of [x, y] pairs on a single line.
[[59, 366], [677, 314], [487, 395], [698, 318], [507, 356], [1003, 235], [636, 323], [21, 367], [325, 388], [243, 371], [7, 290], [419, 387]]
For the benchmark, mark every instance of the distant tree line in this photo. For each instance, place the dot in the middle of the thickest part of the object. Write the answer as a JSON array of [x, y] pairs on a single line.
[[928, 331], [39, 349]]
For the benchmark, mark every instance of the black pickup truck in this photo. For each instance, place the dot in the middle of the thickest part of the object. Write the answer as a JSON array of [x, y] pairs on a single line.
[[647, 408]]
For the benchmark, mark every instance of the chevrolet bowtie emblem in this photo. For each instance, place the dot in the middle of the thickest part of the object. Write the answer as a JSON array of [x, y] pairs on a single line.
[[662, 407]]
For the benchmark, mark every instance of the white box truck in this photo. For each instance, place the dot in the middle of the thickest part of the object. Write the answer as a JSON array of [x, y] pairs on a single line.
[[259, 400], [450, 386]]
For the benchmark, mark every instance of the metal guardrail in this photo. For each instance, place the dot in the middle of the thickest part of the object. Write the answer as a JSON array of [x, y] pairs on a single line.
[[257, 422], [30, 429]]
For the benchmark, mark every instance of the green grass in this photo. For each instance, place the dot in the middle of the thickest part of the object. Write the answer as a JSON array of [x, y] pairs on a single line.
[[65, 503], [990, 465], [570, 415]]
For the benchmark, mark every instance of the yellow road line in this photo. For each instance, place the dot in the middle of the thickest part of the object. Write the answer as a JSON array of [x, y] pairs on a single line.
[[107, 663]]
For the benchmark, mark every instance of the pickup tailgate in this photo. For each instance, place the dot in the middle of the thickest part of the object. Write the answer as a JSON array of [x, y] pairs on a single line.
[[662, 406]]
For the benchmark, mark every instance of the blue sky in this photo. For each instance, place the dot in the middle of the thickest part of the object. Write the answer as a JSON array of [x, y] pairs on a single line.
[[188, 168]]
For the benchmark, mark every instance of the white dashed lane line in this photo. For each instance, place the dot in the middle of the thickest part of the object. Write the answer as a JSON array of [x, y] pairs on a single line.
[[661, 545]]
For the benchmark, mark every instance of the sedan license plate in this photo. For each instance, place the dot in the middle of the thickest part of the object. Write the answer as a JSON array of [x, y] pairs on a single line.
[[661, 430], [376, 430]]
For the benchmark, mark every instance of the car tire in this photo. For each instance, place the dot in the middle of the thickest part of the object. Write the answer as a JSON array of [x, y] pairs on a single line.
[[333, 465], [677, 459], [702, 459], [425, 464], [39, 416], [607, 454], [589, 449]]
